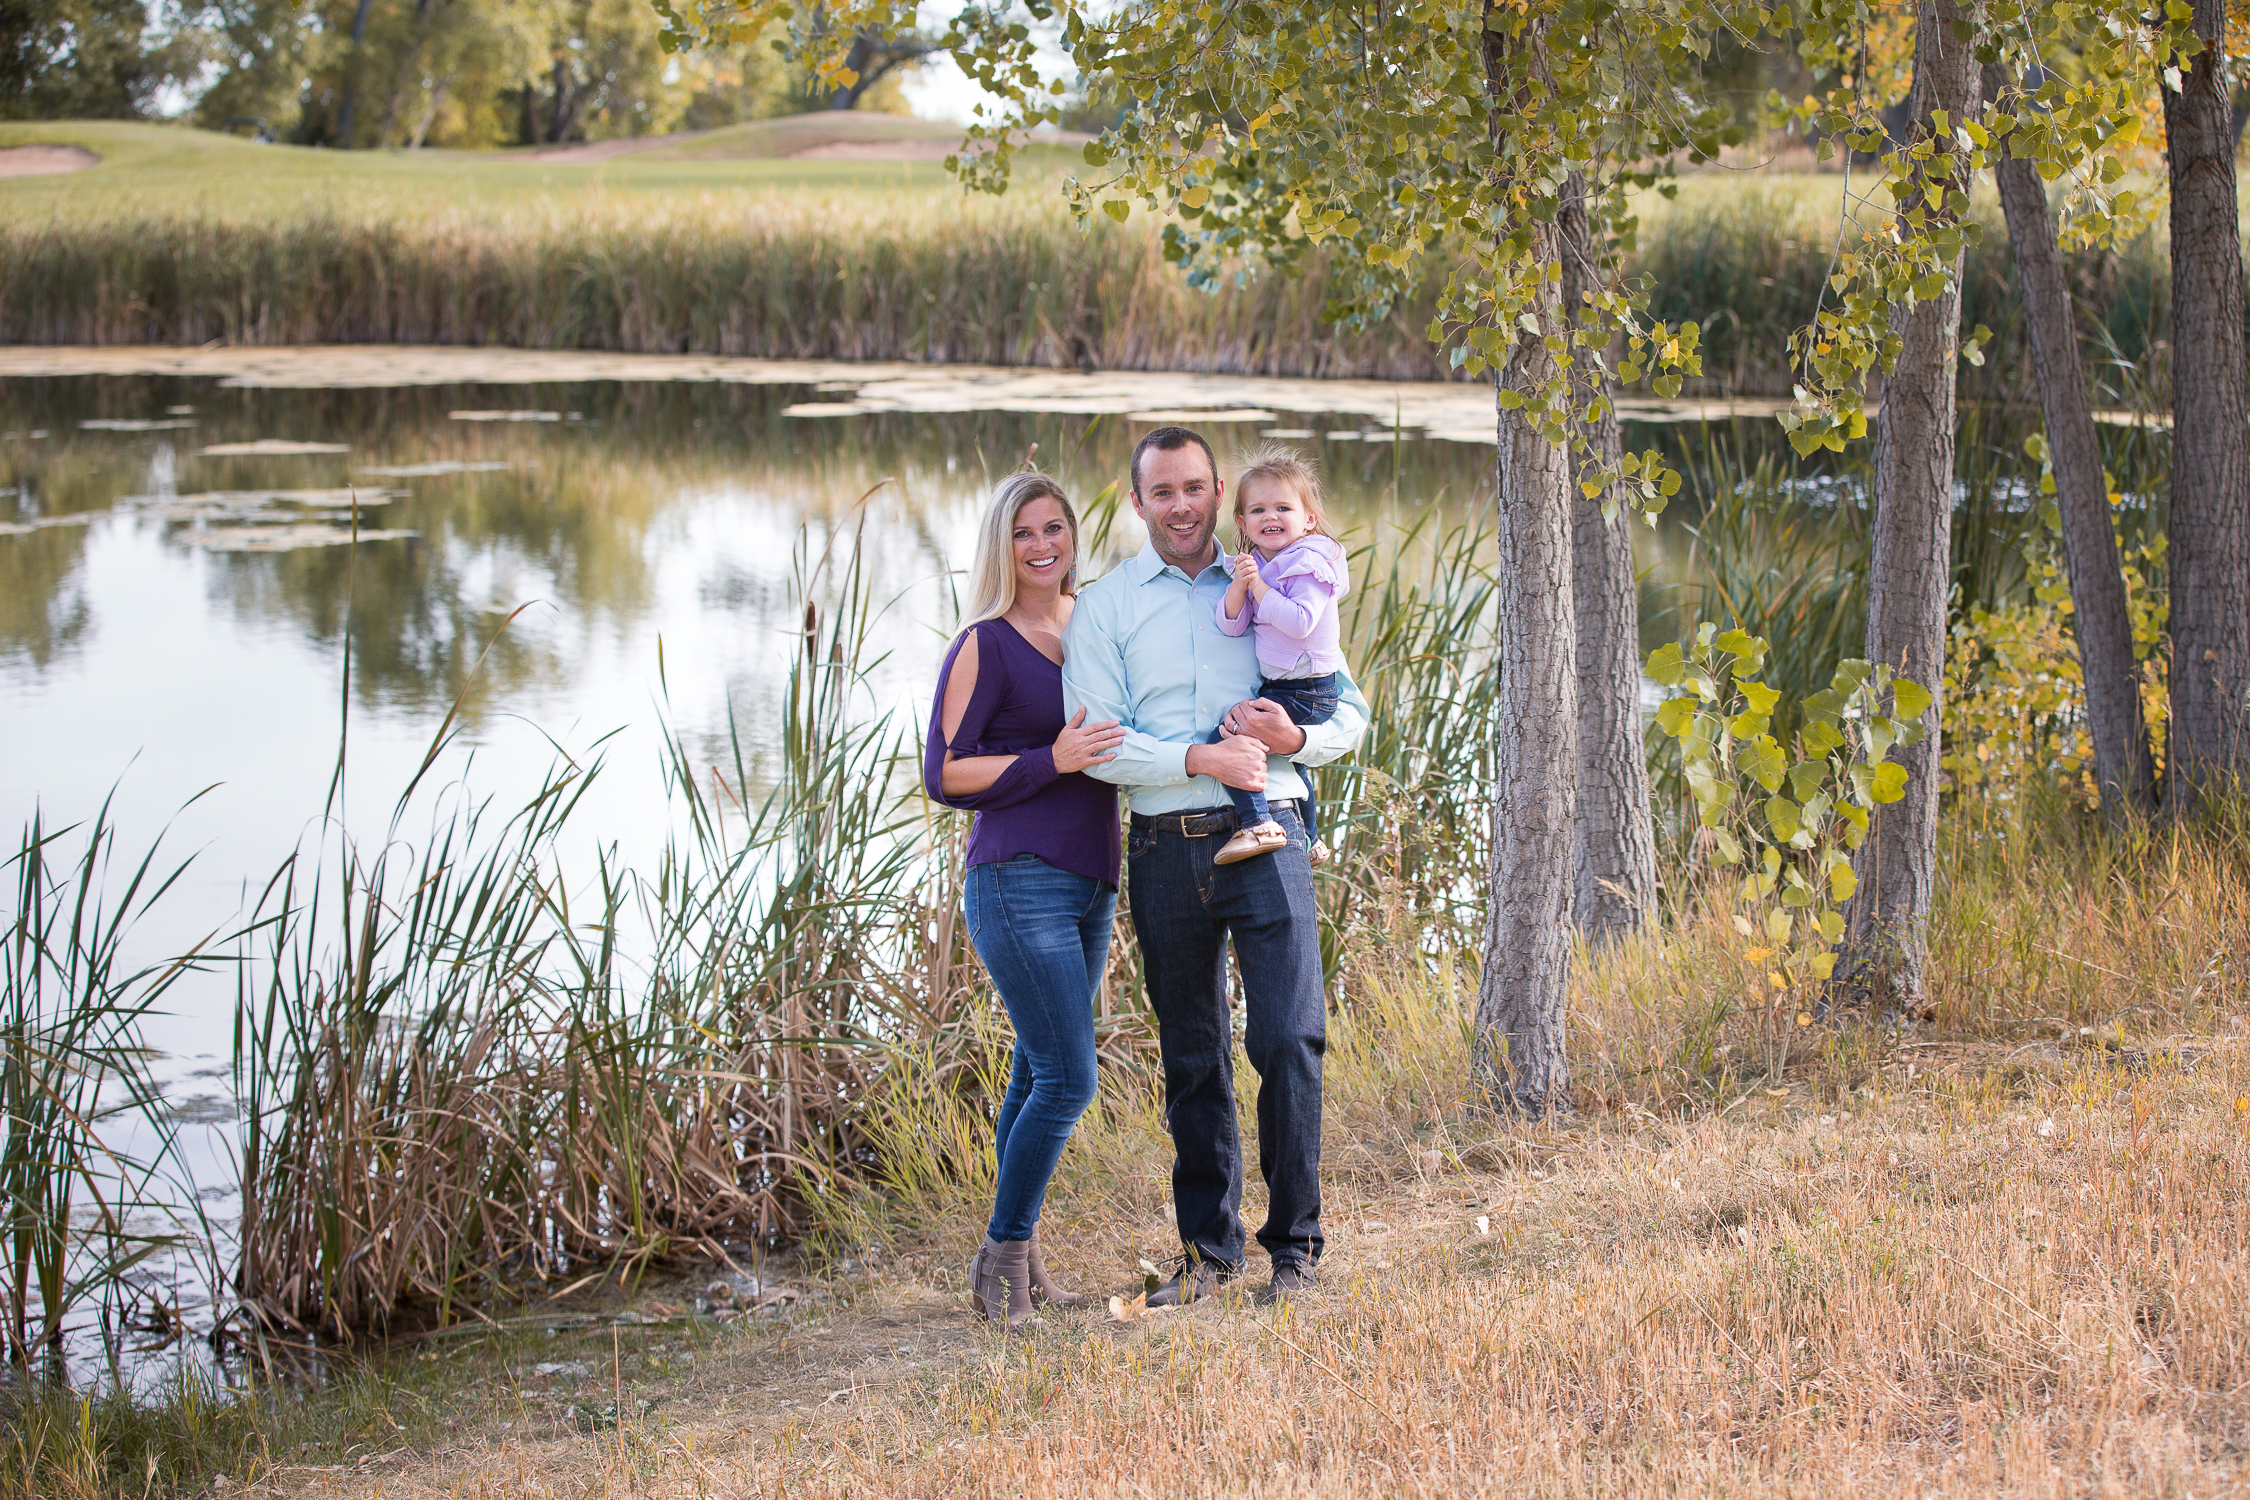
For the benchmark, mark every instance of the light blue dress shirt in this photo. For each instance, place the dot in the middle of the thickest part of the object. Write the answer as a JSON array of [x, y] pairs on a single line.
[[1144, 647]]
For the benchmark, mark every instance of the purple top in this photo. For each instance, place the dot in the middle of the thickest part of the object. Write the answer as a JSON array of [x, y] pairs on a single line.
[[1298, 633], [1070, 821]]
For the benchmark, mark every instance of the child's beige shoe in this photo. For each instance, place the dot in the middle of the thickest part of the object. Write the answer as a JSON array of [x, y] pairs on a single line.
[[1249, 843]]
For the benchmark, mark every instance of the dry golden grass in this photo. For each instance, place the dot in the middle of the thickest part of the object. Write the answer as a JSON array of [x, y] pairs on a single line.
[[1979, 1259]]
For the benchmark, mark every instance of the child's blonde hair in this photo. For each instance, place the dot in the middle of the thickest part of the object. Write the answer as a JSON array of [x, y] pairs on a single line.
[[1276, 464]]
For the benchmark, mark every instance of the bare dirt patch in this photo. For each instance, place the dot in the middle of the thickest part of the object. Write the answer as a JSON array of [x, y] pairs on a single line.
[[45, 161]]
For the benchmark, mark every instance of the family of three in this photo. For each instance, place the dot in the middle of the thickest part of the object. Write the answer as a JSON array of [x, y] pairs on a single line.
[[1201, 684]]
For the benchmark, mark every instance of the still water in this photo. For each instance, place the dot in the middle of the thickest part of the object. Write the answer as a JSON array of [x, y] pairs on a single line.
[[176, 613], [580, 565]]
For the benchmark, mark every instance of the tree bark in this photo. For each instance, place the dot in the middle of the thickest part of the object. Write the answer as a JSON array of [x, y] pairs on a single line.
[[350, 102], [2210, 552], [1517, 1063], [1613, 842], [2101, 621], [1909, 575]]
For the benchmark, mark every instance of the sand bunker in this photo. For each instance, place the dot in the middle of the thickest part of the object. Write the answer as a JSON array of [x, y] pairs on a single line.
[[45, 161], [1457, 411], [877, 151]]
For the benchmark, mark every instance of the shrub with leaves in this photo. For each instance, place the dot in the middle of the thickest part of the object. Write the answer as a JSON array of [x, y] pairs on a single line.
[[2015, 694], [1788, 817]]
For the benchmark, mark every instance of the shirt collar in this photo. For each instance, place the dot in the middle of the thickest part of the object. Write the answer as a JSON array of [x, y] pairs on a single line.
[[1147, 565]]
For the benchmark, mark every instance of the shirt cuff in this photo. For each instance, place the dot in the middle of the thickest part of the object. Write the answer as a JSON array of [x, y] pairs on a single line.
[[1168, 759]]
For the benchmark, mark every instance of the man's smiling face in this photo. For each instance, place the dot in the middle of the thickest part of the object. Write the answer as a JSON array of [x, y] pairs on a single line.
[[1177, 494]]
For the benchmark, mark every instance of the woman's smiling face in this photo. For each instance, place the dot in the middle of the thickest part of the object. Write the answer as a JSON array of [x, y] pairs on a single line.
[[1273, 516], [1044, 551]]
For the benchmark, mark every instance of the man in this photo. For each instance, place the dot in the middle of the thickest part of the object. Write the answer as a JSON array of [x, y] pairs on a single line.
[[1143, 647]]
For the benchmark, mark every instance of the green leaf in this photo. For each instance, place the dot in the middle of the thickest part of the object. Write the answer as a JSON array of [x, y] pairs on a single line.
[[1117, 208], [1762, 698], [1781, 817], [1807, 777], [1778, 924], [1665, 665], [1889, 783], [1912, 698], [1763, 762], [1843, 882], [1740, 643], [1675, 716]]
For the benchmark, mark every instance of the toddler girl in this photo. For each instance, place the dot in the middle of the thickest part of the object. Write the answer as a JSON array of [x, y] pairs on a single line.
[[1286, 583]]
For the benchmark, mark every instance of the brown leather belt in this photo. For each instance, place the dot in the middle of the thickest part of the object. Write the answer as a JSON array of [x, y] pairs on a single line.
[[1201, 822]]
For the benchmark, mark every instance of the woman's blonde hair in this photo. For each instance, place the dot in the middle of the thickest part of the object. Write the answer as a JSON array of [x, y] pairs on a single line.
[[1280, 465], [992, 582]]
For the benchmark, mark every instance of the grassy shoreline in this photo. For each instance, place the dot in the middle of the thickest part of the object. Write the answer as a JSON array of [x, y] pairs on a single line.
[[184, 239], [1996, 1255]]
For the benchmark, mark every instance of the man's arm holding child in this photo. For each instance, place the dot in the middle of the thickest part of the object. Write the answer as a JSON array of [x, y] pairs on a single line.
[[1308, 744], [1094, 679]]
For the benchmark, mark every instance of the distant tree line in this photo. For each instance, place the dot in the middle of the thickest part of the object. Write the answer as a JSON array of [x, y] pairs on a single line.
[[383, 74]]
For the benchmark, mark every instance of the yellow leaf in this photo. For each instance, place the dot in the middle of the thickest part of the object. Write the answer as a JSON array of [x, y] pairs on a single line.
[[1758, 955]]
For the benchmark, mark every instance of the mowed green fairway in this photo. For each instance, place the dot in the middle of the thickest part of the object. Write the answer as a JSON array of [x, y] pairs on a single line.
[[165, 170]]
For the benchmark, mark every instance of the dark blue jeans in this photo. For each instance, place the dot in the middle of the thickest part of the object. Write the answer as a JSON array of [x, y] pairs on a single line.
[[1185, 908], [1043, 934], [1307, 700]]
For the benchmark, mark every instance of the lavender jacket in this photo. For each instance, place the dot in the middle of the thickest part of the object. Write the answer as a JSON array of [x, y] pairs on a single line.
[[1298, 633]]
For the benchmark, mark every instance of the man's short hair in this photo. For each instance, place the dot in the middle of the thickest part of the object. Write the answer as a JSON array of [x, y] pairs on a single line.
[[1170, 440]]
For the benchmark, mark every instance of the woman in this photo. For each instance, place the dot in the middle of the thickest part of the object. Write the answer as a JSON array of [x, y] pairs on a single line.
[[1043, 858]]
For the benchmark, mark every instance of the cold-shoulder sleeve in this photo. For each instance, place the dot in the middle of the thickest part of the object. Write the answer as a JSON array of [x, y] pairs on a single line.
[[1032, 771]]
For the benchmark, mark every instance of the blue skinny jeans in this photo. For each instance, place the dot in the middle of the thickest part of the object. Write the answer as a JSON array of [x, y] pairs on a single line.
[[1043, 934]]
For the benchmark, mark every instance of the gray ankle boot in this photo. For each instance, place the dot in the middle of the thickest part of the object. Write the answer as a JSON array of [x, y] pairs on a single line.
[[1044, 1292], [1000, 1281]]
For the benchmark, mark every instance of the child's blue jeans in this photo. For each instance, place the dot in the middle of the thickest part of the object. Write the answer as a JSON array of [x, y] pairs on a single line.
[[1307, 700]]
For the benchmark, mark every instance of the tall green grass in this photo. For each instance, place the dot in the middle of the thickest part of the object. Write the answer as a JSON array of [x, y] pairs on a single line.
[[927, 276], [76, 1085]]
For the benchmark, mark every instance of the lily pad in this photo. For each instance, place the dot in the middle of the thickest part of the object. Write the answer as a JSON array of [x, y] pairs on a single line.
[[271, 448], [42, 523], [434, 468], [288, 538]]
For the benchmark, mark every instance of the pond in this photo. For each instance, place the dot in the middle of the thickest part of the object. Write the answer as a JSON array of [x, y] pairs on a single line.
[[178, 592], [579, 552]]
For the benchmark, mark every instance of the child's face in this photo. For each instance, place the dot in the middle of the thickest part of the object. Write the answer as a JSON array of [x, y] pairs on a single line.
[[1273, 516]]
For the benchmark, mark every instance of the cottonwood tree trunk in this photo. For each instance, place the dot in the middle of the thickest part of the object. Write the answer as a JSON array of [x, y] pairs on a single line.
[[2100, 620], [350, 102], [1613, 842], [2210, 552], [1517, 1063], [1909, 573]]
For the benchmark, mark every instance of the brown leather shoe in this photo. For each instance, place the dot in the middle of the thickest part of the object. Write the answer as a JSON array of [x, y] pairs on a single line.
[[1044, 1291], [1249, 843], [1193, 1279]]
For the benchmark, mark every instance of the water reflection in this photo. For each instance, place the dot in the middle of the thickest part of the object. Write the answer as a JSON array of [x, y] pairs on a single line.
[[594, 514]]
